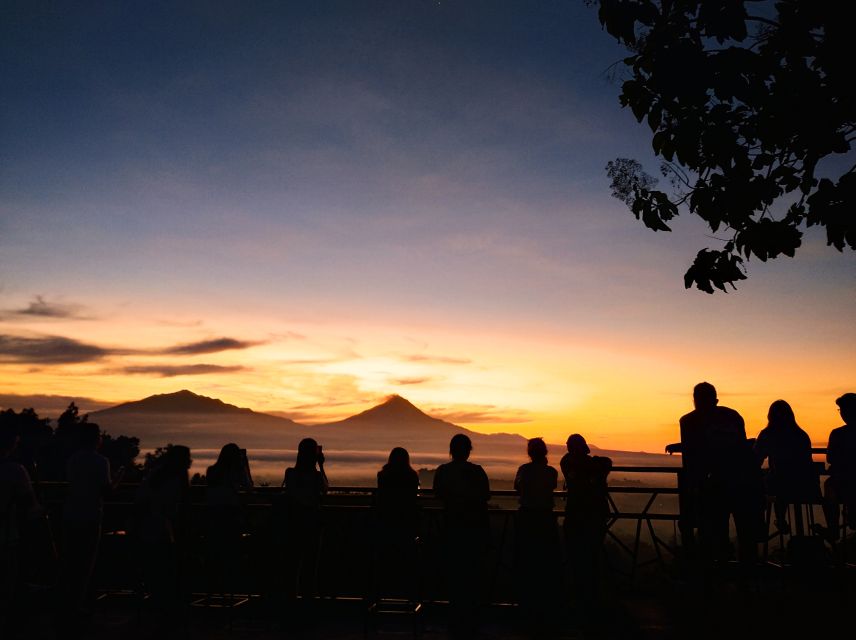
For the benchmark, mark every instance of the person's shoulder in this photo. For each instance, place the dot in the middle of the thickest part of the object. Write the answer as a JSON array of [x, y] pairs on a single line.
[[839, 432], [689, 418], [728, 411]]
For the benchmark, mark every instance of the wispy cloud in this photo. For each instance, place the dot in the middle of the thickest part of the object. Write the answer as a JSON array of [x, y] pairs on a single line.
[[486, 414], [408, 381], [208, 346], [171, 371], [39, 307], [49, 350], [421, 357]]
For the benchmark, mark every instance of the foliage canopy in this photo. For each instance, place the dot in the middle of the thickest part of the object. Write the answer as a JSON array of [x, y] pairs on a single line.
[[752, 108]]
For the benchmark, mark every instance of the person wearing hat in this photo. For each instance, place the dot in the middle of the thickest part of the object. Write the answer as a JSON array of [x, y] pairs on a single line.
[[586, 514], [840, 487]]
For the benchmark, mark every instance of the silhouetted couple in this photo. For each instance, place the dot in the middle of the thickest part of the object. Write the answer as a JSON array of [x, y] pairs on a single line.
[[720, 479]]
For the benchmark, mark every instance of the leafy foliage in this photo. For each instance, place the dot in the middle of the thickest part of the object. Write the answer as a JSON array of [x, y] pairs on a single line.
[[742, 108], [44, 451]]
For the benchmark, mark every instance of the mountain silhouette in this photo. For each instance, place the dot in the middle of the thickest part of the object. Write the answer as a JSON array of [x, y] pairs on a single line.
[[183, 401]]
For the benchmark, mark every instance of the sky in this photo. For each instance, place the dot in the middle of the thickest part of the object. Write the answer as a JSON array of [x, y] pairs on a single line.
[[304, 207]]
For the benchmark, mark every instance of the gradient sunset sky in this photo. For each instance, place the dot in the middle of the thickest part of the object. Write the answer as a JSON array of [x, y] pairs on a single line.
[[303, 207]]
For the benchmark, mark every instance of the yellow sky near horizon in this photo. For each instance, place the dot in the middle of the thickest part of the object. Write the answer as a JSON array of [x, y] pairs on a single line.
[[620, 393]]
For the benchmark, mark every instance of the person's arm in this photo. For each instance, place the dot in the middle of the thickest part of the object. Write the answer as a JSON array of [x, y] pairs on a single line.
[[517, 479], [832, 449], [485, 488]]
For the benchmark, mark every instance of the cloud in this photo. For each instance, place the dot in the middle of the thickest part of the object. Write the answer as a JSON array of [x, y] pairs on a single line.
[[171, 371], [208, 346], [481, 415], [49, 350], [419, 357], [41, 308], [404, 381]]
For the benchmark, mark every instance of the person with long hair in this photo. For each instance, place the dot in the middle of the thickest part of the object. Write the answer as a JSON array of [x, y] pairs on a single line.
[[226, 478], [792, 477], [305, 484], [162, 504], [536, 534], [397, 524]]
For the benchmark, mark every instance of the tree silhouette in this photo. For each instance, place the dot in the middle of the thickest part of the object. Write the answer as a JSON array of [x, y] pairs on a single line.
[[752, 108]]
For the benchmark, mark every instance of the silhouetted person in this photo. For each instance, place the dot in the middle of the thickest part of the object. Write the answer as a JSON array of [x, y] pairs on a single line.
[[840, 487], [226, 478], [397, 522], [586, 516], [792, 478], [397, 488], [721, 478], [161, 502], [17, 504], [536, 536], [89, 481], [464, 489], [305, 483]]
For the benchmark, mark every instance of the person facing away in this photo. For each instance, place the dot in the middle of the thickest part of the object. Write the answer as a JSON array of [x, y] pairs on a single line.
[[228, 476], [840, 487], [464, 490], [586, 516], [89, 481], [161, 503], [536, 536], [304, 484], [17, 504], [397, 488], [225, 479], [792, 477], [721, 476], [462, 486]]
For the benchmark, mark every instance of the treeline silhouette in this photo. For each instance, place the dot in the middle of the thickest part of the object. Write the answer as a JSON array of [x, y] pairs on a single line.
[[721, 479]]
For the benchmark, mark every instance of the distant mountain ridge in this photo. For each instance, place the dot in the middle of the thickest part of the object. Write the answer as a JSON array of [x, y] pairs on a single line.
[[196, 420], [183, 401]]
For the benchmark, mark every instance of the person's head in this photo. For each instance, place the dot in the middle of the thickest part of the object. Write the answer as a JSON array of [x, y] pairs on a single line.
[[781, 416], [8, 440], [537, 450], [307, 454], [577, 445], [399, 458], [175, 463], [230, 456], [460, 447], [704, 396], [847, 407], [88, 435]]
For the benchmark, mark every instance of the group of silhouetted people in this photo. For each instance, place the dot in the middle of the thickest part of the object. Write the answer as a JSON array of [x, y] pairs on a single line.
[[721, 478]]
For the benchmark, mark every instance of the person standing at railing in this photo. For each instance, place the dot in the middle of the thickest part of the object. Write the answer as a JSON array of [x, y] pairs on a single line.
[[792, 477], [305, 484], [162, 501], [721, 478], [586, 517], [226, 478], [17, 505], [464, 489], [840, 487], [536, 535], [89, 481], [397, 533]]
